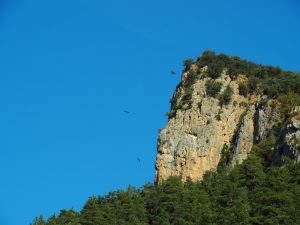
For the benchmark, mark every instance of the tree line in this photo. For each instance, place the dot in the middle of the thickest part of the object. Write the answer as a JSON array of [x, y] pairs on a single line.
[[252, 193]]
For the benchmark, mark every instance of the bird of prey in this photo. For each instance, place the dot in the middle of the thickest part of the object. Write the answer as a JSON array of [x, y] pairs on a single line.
[[172, 72], [138, 159], [125, 111]]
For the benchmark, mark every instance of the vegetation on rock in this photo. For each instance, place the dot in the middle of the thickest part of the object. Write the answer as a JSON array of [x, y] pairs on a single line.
[[264, 80], [213, 88], [243, 89], [226, 96]]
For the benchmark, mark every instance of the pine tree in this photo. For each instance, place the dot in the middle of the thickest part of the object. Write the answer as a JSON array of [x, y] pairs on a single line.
[[90, 214], [130, 207], [273, 202], [38, 221], [69, 217], [197, 207]]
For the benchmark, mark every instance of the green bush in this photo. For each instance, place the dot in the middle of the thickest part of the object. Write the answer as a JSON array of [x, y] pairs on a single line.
[[207, 58], [190, 79], [187, 95], [187, 63], [288, 102], [226, 96], [271, 88], [253, 84], [214, 70], [213, 88], [215, 63], [243, 89]]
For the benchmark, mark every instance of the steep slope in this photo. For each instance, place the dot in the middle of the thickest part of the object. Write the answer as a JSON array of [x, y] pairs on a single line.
[[222, 106]]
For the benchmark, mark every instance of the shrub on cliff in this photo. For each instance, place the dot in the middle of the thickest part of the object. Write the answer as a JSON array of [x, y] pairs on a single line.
[[288, 102], [215, 63], [243, 89], [253, 84], [226, 96], [281, 85], [214, 70], [272, 81], [187, 63], [207, 58], [213, 88]]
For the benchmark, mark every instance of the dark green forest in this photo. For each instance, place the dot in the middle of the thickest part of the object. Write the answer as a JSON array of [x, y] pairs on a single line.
[[254, 192]]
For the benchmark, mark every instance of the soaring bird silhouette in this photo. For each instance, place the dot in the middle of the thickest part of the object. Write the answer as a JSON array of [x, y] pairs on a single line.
[[172, 72], [125, 111]]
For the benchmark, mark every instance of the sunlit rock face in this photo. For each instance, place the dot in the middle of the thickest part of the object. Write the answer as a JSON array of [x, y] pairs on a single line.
[[201, 131]]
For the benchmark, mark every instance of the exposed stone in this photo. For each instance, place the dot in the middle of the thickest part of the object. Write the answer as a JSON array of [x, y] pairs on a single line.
[[264, 119], [289, 141], [192, 141], [243, 142], [200, 129]]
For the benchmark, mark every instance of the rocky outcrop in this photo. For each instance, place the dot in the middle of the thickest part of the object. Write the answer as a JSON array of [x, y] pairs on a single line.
[[266, 114], [199, 127], [289, 140], [243, 141]]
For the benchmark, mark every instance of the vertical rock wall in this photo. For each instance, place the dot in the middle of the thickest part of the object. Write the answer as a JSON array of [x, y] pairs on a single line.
[[197, 133]]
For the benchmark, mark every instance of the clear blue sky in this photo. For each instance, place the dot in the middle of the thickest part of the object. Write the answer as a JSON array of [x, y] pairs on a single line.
[[69, 69]]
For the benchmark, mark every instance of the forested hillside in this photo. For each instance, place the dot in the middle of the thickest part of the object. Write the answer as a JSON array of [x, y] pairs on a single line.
[[252, 193]]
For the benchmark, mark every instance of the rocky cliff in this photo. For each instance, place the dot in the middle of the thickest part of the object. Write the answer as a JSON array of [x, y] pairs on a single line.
[[217, 117]]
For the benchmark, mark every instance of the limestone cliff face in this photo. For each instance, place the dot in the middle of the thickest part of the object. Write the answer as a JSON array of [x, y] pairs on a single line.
[[289, 140], [200, 130]]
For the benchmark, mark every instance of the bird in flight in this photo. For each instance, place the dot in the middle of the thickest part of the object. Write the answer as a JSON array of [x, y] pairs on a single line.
[[172, 72], [138, 159], [125, 111]]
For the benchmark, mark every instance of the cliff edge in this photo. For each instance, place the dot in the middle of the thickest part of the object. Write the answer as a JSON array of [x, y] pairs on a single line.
[[222, 107]]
